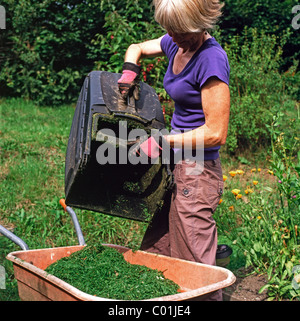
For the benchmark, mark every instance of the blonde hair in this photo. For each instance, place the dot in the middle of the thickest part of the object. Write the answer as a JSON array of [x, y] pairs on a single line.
[[181, 16]]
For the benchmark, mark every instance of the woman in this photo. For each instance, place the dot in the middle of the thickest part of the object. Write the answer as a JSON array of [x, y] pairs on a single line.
[[197, 79]]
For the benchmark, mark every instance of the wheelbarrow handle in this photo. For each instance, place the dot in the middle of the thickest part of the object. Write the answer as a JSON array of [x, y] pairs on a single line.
[[14, 238], [76, 224], [11, 236]]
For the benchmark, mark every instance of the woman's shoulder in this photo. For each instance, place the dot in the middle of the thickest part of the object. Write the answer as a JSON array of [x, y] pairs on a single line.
[[213, 49], [212, 61], [167, 45]]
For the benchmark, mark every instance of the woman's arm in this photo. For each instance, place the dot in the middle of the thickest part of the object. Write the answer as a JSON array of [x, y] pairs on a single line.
[[215, 97], [150, 48], [131, 70]]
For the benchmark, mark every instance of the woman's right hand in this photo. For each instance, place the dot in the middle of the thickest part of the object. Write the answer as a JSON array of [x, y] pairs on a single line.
[[129, 81]]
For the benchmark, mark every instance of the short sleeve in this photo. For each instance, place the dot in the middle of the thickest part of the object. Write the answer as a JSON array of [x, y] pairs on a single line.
[[167, 45], [214, 64]]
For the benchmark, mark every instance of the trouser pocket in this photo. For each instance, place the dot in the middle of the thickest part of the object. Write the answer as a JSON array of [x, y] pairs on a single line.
[[216, 191]]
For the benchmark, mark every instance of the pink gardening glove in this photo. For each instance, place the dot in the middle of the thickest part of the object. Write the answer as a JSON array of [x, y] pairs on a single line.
[[129, 81], [150, 148]]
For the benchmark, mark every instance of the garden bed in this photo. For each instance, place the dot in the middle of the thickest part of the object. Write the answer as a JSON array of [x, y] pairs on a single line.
[[246, 287]]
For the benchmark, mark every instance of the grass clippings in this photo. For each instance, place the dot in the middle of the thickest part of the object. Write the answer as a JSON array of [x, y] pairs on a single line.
[[102, 271]]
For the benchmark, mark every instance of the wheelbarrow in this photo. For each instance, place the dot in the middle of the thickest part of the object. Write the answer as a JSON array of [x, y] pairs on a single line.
[[195, 280]]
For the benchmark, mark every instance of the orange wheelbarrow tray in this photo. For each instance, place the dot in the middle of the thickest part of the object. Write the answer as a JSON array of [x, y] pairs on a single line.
[[34, 284]]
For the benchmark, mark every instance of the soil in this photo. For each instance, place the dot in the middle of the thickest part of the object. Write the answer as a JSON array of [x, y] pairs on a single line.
[[246, 287]]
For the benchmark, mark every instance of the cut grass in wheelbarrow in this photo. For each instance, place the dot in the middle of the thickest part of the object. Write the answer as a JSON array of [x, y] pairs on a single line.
[[35, 284], [103, 271]]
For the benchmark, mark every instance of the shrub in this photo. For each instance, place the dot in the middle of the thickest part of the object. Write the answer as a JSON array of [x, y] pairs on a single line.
[[131, 23], [272, 16], [258, 89], [46, 48]]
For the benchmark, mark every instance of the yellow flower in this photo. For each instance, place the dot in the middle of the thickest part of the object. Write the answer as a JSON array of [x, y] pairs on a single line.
[[240, 172], [259, 169], [232, 173], [224, 178], [259, 217], [271, 172], [220, 201], [253, 170], [239, 196], [248, 190], [231, 208], [255, 182], [235, 191]]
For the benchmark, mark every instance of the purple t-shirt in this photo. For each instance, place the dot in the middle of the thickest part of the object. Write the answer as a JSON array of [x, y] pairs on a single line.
[[185, 88]]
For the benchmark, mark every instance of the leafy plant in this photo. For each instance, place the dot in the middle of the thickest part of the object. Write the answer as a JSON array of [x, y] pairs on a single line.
[[274, 17], [258, 89], [261, 217], [44, 49], [124, 26]]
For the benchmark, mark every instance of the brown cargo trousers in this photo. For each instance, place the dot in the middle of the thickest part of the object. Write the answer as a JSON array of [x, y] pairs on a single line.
[[185, 227]]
